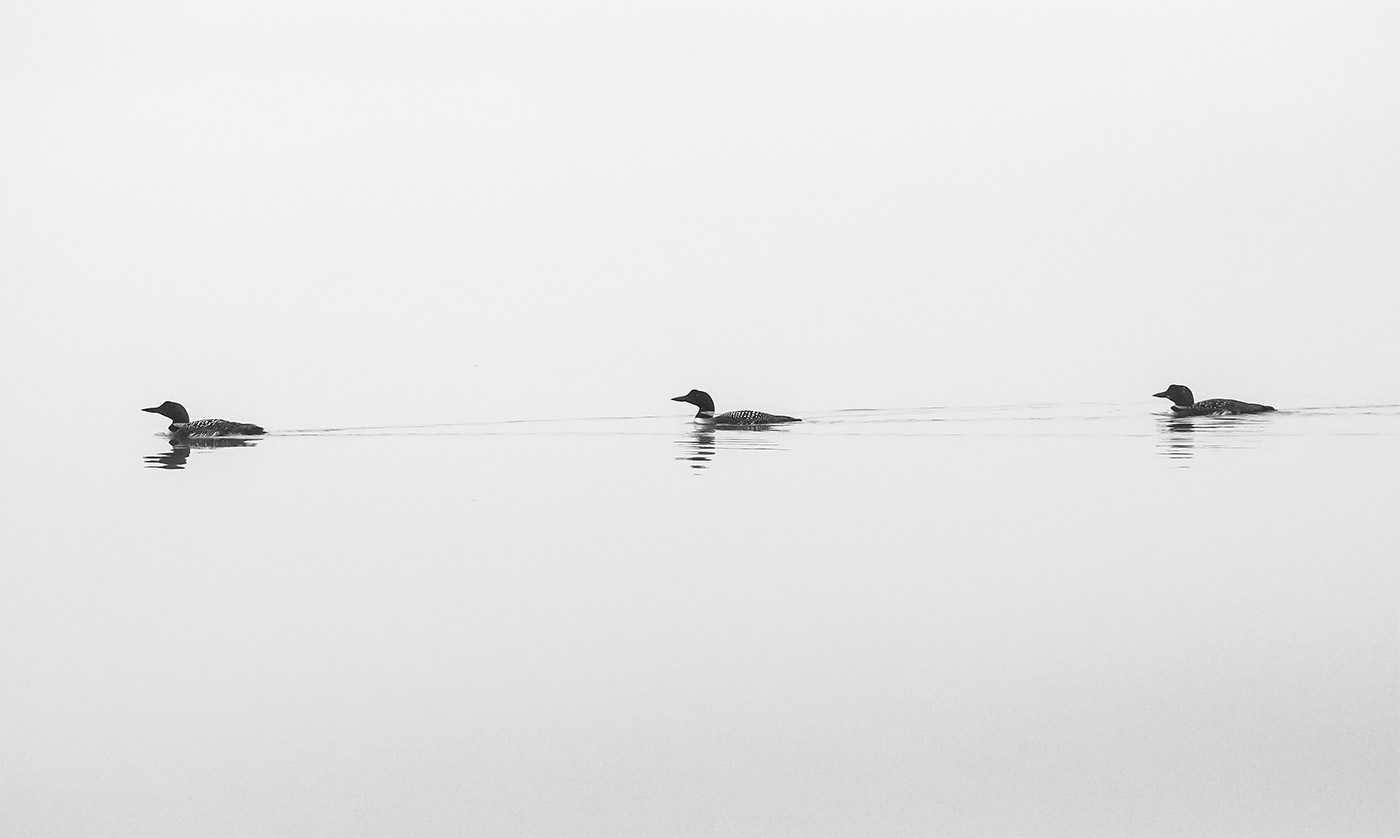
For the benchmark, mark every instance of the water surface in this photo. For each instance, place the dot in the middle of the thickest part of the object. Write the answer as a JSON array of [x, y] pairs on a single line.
[[1028, 619]]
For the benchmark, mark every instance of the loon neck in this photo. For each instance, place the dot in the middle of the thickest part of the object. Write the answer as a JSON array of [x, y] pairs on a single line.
[[705, 417]]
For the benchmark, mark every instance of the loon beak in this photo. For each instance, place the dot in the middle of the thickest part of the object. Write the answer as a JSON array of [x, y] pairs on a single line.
[[681, 398], [1161, 395], [150, 410]]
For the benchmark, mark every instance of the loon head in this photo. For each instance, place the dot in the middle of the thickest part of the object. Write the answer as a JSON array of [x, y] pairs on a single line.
[[1180, 395], [174, 411], [700, 399]]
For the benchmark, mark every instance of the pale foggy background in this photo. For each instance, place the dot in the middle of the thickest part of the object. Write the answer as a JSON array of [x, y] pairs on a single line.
[[399, 212], [986, 588]]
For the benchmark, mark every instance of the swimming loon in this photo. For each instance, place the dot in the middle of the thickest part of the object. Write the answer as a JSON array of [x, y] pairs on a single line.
[[1184, 404], [734, 418], [181, 426]]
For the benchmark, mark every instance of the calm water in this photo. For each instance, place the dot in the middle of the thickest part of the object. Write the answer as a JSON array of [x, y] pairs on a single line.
[[1038, 619]]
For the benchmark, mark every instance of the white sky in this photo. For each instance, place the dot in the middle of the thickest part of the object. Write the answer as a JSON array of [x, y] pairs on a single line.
[[313, 213]]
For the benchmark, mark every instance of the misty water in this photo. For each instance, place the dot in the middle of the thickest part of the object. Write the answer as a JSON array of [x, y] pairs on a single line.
[[1084, 618], [483, 577]]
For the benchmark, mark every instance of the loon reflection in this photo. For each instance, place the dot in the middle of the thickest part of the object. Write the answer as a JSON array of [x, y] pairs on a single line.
[[179, 452], [700, 445], [1176, 441], [1182, 436]]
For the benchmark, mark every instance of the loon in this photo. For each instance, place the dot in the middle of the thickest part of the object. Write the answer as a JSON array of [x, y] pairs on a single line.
[[1184, 404], [734, 418], [181, 426]]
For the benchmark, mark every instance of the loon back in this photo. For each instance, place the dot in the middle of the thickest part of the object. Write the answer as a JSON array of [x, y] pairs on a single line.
[[705, 413], [752, 417], [1185, 404], [215, 427], [181, 426]]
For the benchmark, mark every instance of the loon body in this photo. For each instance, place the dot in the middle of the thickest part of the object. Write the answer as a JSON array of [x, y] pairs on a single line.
[[734, 418], [181, 426], [1185, 404]]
